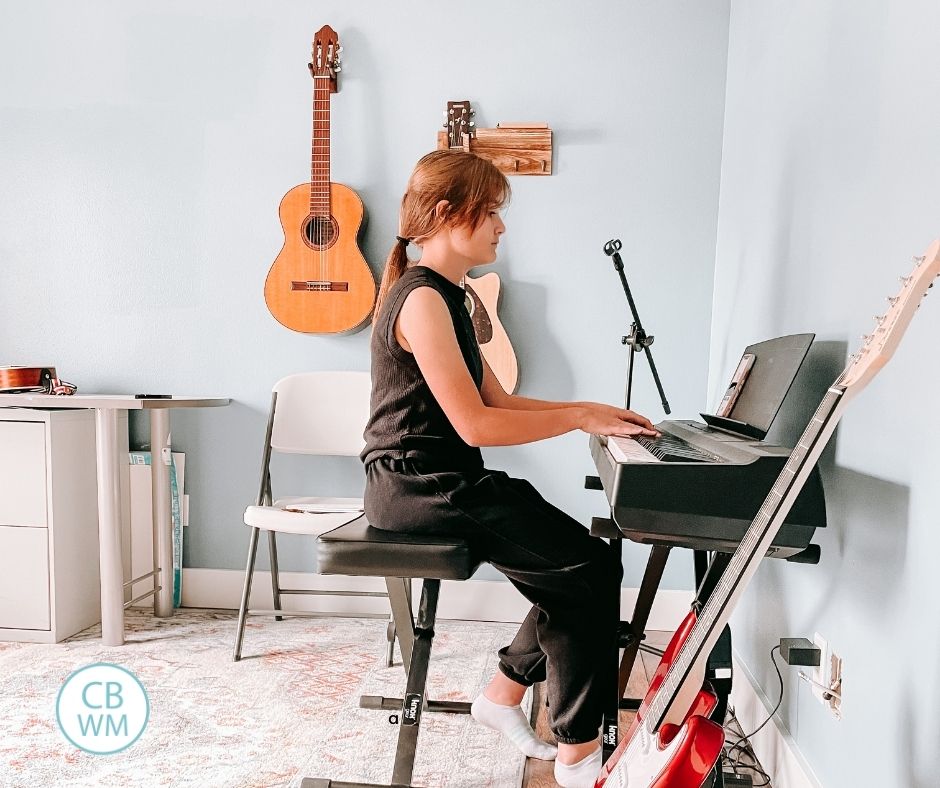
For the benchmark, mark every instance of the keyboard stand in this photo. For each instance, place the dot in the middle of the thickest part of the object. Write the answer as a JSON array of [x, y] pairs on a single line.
[[636, 628], [632, 632]]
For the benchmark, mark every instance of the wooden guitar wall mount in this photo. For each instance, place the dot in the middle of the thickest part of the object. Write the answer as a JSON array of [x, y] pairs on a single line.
[[515, 148]]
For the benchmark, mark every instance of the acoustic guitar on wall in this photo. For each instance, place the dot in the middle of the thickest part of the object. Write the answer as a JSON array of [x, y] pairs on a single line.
[[483, 292], [320, 282]]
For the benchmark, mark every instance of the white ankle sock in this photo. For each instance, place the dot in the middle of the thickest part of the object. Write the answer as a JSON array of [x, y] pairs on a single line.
[[511, 722], [582, 774]]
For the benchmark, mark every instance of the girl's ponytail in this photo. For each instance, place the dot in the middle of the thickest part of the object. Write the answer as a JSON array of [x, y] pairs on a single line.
[[395, 266]]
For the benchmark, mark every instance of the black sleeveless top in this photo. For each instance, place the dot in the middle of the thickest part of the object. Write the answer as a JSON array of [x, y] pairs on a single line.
[[406, 421]]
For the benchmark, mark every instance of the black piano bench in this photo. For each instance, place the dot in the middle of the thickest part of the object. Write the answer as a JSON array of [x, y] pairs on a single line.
[[359, 549]]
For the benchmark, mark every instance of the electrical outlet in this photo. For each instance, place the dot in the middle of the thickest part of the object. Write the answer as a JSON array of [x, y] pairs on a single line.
[[835, 681], [820, 674]]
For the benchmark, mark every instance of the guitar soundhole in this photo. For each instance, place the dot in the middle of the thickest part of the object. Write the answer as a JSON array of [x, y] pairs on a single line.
[[320, 231]]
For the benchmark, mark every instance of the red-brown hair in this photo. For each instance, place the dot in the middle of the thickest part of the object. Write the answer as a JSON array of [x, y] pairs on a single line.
[[471, 186]]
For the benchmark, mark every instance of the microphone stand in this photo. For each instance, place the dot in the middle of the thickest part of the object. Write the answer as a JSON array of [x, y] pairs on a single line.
[[638, 339]]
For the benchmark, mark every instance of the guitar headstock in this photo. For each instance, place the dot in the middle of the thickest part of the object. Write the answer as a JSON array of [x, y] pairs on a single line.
[[879, 346], [325, 55], [458, 120]]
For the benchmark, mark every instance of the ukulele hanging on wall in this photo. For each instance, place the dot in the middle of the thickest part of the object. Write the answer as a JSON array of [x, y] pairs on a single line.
[[483, 291], [320, 282]]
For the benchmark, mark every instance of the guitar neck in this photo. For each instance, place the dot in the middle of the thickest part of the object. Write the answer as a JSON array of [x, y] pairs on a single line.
[[320, 148], [747, 557]]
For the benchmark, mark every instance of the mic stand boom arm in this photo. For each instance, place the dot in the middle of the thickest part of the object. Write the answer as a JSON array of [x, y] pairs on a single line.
[[637, 339]]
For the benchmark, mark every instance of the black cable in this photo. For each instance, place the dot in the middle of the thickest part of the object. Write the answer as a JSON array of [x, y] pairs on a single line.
[[743, 743], [780, 679], [760, 772], [735, 764]]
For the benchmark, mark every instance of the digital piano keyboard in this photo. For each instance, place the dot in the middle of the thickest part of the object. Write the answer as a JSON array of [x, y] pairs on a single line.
[[699, 487]]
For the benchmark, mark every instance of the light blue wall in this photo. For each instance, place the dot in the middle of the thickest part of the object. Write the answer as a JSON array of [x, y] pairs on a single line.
[[144, 149], [830, 181]]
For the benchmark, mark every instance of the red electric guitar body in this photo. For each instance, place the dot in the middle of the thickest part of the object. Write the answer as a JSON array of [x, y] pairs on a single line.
[[678, 756]]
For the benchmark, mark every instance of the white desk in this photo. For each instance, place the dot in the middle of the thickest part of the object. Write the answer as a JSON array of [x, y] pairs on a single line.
[[110, 456]]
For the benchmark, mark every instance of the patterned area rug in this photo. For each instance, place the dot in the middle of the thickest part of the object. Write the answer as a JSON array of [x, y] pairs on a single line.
[[288, 710]]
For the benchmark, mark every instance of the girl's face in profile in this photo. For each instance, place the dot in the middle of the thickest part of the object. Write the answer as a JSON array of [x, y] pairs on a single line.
[[480, 244]]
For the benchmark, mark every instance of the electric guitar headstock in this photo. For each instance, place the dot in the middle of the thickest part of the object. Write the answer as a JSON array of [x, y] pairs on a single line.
[[879, 345], [325, 56], [458, 120]]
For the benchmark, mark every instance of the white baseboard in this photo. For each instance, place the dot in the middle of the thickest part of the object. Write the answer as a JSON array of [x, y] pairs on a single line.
[[483, 600], [773, 745]]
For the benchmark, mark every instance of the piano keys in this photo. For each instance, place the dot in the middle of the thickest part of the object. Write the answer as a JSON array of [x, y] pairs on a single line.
[[700, 487]]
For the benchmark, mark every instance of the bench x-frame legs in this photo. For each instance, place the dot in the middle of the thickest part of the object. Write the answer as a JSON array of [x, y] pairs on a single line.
[[415, 639]]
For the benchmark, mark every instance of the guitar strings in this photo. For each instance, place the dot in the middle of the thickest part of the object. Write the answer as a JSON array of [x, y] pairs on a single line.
[[317, 217]]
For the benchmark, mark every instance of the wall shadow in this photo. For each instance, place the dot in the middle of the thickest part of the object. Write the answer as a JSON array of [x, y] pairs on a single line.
[[867, 517]]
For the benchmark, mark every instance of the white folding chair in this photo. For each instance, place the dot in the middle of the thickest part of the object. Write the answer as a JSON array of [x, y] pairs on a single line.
[[314, 413]]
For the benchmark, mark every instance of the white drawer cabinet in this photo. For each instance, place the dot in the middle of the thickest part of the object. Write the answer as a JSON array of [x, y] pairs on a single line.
[[49, 587]]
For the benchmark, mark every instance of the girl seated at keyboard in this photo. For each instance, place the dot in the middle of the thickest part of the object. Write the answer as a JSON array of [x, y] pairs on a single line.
[[435, 401]]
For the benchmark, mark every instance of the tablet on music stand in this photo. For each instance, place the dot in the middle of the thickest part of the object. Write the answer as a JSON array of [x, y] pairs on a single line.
[[760, 395]]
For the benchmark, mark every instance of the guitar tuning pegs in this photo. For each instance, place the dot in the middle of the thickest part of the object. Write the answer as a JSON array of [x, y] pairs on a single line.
[[866, 338], [473, 125], [339, 49], [879, 319], [892, 300], [905, 280], [919, 260]]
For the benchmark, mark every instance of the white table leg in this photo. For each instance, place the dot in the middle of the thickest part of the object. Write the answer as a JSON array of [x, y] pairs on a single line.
[[109, 527], [162, 511]]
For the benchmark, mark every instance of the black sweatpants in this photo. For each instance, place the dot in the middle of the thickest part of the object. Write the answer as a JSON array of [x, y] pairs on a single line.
[[572, 579]]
